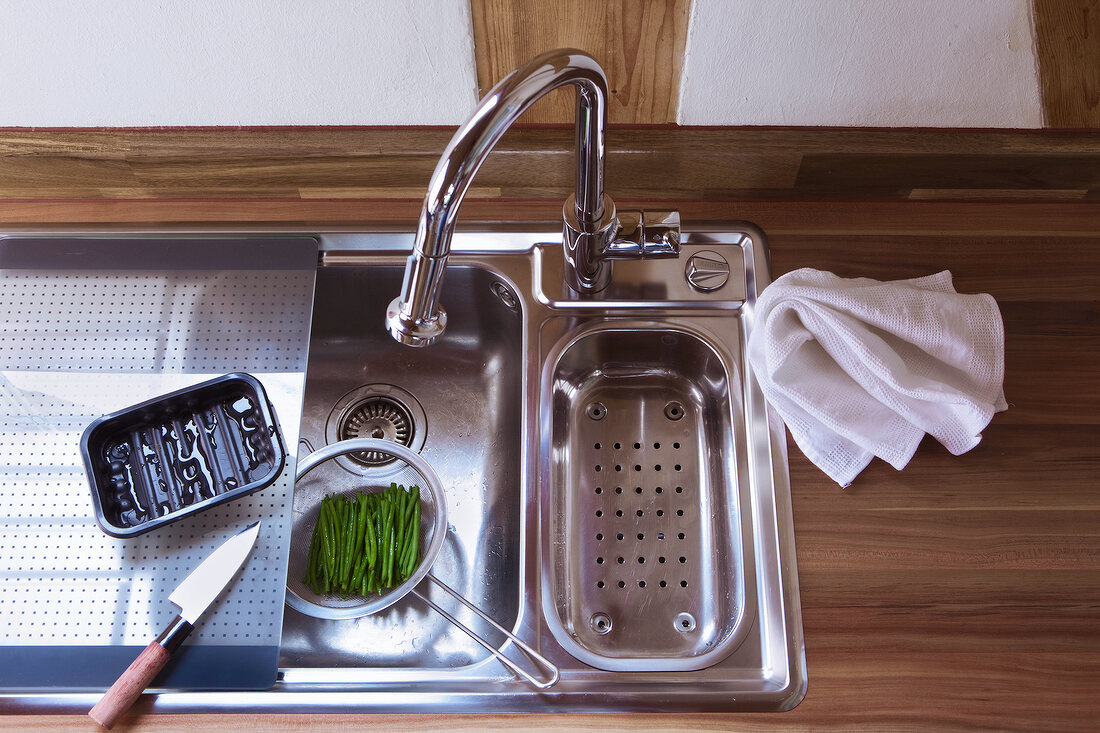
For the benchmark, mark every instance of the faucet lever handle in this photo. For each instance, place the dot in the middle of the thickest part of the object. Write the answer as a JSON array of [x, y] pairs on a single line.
[[645, 234], [661, 233]]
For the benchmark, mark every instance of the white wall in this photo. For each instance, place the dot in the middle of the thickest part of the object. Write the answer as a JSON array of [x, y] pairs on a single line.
[[889, 63], [76, 63], [235, 62]]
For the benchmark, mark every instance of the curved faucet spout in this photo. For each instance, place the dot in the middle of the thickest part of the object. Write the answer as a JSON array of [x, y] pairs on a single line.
[[415, 317]]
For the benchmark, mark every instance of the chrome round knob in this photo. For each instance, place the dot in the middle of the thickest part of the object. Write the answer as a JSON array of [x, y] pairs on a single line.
[[707, 271]]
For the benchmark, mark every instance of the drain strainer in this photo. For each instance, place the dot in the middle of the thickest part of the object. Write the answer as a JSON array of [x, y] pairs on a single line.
[[376, 411], [377, 417]]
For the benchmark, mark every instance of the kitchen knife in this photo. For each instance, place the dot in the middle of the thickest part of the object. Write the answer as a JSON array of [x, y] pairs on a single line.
[[194, 595]]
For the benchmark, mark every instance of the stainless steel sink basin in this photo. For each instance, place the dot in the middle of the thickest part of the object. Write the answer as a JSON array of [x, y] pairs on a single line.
[[459, 404]]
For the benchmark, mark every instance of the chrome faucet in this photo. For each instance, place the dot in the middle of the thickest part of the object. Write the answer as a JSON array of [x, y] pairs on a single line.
[[594, 234]]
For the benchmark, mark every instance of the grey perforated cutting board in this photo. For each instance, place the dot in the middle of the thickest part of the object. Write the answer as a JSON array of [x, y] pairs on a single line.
[[89, 326]]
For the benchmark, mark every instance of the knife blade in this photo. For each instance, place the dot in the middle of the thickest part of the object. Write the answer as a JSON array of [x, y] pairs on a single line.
[[193, 596]]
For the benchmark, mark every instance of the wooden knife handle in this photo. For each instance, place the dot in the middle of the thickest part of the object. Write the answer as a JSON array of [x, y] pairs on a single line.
[[130, 685]]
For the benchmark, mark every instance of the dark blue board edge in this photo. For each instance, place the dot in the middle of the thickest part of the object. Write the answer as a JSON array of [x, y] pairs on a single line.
[[163, 252], [58, 668]]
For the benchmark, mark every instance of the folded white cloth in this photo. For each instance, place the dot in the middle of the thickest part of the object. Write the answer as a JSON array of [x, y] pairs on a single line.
[[860, 368]]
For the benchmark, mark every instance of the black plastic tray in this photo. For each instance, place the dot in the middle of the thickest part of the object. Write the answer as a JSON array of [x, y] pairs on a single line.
[[181, 453]]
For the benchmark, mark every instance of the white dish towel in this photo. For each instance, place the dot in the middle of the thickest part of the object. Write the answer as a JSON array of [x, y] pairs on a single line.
[[860, 368]]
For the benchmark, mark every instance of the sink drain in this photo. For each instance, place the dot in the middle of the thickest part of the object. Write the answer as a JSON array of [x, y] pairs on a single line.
[[376, 411], [377, 417]]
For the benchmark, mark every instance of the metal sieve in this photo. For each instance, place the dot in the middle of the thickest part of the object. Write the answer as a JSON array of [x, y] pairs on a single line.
[[407, 468]]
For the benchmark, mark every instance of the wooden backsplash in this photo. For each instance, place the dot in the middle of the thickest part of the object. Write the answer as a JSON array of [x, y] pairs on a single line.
[[1067, 35], [640, 44]]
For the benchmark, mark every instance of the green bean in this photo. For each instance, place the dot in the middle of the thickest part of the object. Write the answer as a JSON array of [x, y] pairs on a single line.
[[357, 576], [326, 535], [360, 533], [353, 532], [416, 532], [413, 499], [399, 517], [406, 560], [403, 551], [370, 542], [319, 556], [334, 527], [411, 527], [372, 580], [379, 522], [386, 526], [361, 530], [337, 519], [391, 542], [349, 542], [326, 563], [318, 563], [353, 554], [398, 533]]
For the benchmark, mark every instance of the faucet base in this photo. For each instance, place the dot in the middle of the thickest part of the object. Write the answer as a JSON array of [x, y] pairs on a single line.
[[413, 331], [586, 269]]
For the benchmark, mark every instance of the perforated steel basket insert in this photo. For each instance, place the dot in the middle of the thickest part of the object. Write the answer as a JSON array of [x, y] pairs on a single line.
[[644, 547]]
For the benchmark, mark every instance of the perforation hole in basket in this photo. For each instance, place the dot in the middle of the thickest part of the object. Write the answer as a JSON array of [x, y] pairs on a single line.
[[641, 517]]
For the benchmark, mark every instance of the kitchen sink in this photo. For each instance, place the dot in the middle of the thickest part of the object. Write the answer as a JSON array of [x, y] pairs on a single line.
[[617, 489]]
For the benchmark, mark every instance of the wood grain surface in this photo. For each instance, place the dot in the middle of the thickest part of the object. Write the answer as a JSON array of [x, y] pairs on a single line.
[[962, 593], [536, 163], [1067, 34], [129, 686], [640, 45]]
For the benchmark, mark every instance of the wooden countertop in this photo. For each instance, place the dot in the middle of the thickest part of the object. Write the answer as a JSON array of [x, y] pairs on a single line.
[[960, 593]]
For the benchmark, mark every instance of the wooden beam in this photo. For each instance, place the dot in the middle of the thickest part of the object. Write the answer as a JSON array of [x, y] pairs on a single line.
[[639, 44], [1068, 43]]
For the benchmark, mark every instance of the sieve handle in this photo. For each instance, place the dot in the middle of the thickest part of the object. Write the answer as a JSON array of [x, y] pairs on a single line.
[[532, 655]]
